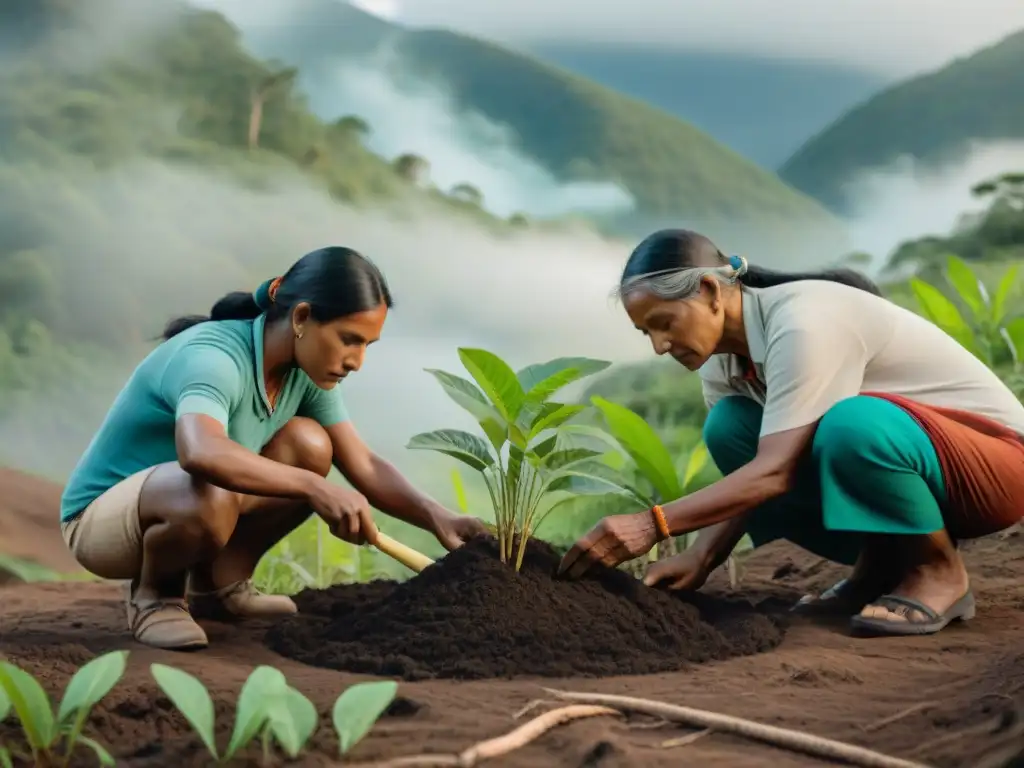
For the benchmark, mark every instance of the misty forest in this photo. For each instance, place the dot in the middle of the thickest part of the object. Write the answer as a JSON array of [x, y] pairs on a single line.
[[155, 154]]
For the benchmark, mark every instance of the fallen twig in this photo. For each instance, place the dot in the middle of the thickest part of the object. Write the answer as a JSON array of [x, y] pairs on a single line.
[[520, 737], [879, 724], [769, 734], [684, 741], [529, 708]]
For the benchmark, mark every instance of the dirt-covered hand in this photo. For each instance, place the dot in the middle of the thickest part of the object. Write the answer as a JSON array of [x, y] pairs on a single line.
[[612, 541], [346, 512], [686, 571], [454, 530]]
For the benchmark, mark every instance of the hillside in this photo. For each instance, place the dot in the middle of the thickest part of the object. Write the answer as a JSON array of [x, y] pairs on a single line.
[[576, 128], [734, 97], [928, 117]]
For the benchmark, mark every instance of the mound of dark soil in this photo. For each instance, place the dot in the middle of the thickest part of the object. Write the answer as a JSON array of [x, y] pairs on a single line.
[[470, 616]]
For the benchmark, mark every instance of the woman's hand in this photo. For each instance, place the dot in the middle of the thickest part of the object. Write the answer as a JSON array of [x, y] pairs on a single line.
[[347, 513], [686, 571], [454, 530], [612, 541]]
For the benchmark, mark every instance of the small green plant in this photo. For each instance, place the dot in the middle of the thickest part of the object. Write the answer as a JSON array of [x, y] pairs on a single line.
[[988, 330], [520, 460], [52, 739], [271, 710]]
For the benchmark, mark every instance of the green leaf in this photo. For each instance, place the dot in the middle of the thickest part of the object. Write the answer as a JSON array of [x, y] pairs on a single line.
[[963, 280], [642, 443], [496, 379], [460, 491], [5, 758], [585, 436], [1014, 333], [460, 445], [191, 698], [553, 416], [5, 704], [1007, 285], [543, 448], [541, 380], [465, 394], [699, 458], [496, 431], [31, 704], [292, 718], [102, 755], [560, 459], [91, 683], [943, 313], [261, 688], [358, 708], [594, 478]]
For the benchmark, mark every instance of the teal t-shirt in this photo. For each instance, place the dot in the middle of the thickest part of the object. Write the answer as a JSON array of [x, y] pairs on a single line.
[[214, 368]]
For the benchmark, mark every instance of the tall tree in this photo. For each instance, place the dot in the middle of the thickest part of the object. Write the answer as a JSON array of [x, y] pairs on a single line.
[[260, 93]]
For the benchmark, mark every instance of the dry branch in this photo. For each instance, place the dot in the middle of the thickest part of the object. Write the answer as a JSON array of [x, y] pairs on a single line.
[[502, 745], [784, 738]]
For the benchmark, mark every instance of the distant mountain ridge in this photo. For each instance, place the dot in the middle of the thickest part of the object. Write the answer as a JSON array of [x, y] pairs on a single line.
[[763, 108], [930, 118], [574, 127]]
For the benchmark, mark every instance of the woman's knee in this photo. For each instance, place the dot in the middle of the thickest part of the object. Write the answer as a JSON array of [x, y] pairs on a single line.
[[203, 513], [302, 443], [731, 432], [857, 429]]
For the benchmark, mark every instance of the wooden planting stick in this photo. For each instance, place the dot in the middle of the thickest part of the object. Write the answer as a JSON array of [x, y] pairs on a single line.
[[410, 558], [784, 738]]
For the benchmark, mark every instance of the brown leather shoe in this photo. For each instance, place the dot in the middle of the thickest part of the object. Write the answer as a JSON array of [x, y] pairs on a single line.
[[242, 600], [164, 624]]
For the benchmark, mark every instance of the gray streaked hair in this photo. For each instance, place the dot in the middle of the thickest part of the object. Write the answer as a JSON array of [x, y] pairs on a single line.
[[682, 283]]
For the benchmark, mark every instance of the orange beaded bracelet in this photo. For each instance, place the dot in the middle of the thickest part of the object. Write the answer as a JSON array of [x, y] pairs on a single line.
[[659, 520]]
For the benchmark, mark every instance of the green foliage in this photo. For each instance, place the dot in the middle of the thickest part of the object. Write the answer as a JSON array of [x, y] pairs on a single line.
[[982, 322], [271, 711], [520, 458], [930, 117], [51, 738]]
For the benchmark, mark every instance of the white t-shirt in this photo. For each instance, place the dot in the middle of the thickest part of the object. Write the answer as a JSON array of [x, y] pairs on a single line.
[[816, 342]]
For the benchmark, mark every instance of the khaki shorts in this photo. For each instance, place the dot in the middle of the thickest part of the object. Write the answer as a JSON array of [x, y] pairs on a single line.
[[106, 538]]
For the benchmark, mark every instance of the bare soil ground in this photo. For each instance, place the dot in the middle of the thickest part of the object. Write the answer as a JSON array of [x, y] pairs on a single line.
[[950, 700]]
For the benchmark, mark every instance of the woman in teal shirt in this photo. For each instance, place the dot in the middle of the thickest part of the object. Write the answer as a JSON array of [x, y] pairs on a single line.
[[220, 443]]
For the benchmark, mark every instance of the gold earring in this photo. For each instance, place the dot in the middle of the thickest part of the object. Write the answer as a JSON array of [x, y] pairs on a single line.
[[298, 334]]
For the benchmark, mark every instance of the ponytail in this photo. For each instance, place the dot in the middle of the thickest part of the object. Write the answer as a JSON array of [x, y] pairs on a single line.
[[335, 281], [237, 305], [759, 277]]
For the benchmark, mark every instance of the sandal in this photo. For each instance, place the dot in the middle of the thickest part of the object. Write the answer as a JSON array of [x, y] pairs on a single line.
[[927, 622]]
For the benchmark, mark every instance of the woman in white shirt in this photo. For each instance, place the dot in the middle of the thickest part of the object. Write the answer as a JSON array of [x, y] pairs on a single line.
[[840, 421]]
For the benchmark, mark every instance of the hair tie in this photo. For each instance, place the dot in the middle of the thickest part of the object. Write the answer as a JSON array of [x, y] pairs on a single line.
[[738, 264], [266, 294]]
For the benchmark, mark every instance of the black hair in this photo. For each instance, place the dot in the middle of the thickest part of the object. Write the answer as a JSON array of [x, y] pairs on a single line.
[[671, 249], [335, 281]]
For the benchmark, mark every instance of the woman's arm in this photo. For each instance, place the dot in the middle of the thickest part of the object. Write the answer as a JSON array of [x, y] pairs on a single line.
[[205, 451], [770, 474], [379, 480], [618, 538]]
